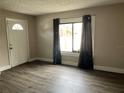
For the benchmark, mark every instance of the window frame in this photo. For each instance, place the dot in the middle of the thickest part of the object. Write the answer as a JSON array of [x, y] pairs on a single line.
[[73, 51]]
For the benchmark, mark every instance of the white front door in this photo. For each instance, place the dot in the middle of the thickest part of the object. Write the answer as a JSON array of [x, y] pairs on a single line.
[[17, 41]]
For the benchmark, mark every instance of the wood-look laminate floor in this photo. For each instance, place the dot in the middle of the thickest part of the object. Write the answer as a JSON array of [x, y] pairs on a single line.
[[40, 77]]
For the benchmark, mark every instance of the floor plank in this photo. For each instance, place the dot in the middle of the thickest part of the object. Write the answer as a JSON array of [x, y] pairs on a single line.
[[42, 77]]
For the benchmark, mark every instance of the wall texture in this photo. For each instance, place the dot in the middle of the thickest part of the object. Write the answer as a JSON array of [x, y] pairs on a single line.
[[4, 61], [109, 34]]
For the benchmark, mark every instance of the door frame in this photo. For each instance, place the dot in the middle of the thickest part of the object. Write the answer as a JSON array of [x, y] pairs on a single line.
[[27, 34]]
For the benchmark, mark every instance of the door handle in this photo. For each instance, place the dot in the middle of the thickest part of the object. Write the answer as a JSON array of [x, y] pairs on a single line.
[[10, 48]]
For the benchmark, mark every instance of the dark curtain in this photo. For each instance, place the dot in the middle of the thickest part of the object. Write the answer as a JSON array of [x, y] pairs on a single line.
[[85, 57], [56, 42]]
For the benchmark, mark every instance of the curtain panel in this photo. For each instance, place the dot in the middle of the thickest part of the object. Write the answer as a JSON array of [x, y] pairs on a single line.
[[86, 56], [56, 42]]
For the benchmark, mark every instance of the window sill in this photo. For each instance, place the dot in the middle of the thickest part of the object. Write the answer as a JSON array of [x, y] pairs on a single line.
[[70, 54]]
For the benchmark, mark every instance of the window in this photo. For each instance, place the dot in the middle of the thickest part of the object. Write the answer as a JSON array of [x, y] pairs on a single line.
[[17, 27], [70, 37]]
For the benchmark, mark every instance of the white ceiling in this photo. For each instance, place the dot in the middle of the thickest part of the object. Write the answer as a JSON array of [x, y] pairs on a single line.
[[39, 7]]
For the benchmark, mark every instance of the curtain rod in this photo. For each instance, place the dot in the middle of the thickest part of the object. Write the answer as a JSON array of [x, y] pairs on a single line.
[[74, 17]]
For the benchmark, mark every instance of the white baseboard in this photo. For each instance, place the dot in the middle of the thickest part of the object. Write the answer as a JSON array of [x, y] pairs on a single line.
[[96, 67], [33, 59], [45, 59], [109, 69], [5, 68], [51, 60], [41, 59]]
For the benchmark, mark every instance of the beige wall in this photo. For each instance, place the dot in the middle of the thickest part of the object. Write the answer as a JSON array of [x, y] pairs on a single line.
[[109, 34], [4, 61]]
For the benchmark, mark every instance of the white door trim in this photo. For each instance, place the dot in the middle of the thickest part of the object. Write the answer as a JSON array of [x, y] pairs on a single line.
[[26, 22]]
